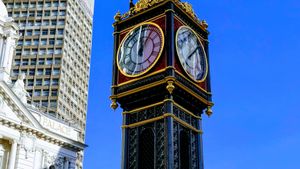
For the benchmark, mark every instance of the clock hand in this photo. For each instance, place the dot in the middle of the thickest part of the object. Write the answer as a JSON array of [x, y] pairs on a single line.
[[190, 55]]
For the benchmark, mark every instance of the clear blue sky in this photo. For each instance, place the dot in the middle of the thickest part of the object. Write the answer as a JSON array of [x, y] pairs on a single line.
[[255, 62]]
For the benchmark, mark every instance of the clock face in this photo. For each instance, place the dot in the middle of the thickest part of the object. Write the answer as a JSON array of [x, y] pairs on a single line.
[[140, 49], [191, 53]]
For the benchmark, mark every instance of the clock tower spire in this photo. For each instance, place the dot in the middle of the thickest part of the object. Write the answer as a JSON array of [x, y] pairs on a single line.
[[161, 80]]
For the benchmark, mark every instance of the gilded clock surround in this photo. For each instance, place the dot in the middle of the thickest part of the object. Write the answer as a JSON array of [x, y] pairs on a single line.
[[156, 59], [205, 57]]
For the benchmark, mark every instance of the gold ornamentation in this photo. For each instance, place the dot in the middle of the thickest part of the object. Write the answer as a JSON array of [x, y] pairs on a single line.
[[204, 24], [209, 112], [170, 87], [114, 104], [143, 5], [118, 16]]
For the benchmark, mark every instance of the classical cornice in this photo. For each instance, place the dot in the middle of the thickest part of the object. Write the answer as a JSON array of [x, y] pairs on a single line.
[[29, 123], [40, 134]]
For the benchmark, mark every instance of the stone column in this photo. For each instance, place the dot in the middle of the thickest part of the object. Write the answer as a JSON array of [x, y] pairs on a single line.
[[12, 155]]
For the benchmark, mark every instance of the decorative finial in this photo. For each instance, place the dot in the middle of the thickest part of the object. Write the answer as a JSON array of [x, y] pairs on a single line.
[[114, 104], [170, 86], [209, 112], [118, 16], [131, 4], [205, 24]]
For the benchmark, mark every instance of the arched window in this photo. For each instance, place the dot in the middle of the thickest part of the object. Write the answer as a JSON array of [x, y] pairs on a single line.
[[146, 149], [184, 150]]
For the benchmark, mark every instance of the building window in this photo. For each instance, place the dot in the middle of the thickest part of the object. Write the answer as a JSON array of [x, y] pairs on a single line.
[[34, 52], [54, 13], [57, 61], [47, 4], [42, 52], [30, 82], [62, 13], [60, 31], [38, 82], [54, 93], [48, 72], [49, 61], [45, 32], [41, 61], [59, 41], [46, 82], [50, 51], [46, 13], [61, 22], [45, 93], [45, 103], [27, 42], [18, 52], [31, 72], [25, 62], [33, 62], [54, 82], [40, 72], [39, 14], [55, 71], [37, 32], [38, 23], [17, 62], [20, 42], [31, 13], [37, 93], [26, 52], [40, 4], [53, 104], [15, 72], [46, 23], [51, 41], [53, 22], [58, 51], [44, 42], [52, 32], [29, 33]]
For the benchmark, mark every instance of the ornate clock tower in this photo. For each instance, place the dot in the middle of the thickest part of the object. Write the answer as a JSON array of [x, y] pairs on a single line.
[[161, 80]]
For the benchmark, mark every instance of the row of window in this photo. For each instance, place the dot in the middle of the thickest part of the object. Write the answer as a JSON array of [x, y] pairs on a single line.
[[42, 51], [39, 71], [40, 61], [38, 4], [45, 22], [45, 32], [42, 82], [39, 13], [52, 104], [35, 42]]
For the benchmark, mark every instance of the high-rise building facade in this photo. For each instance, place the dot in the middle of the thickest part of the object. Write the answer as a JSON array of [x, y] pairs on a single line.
[[54, 52]]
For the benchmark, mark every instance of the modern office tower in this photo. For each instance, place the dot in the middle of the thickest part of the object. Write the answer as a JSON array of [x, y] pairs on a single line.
[[54, 52]]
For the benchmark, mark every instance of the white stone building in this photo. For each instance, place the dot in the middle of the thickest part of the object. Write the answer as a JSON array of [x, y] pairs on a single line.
[[29, 139]]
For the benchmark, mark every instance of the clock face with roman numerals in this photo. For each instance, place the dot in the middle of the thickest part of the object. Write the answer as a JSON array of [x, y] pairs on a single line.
[[140, 49], [191, 53]]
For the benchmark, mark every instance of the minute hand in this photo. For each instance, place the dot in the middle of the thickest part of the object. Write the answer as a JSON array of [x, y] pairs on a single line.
[[190, 55]]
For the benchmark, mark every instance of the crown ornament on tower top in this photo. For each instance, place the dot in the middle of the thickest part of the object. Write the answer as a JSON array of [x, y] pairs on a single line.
[[143, 5]]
